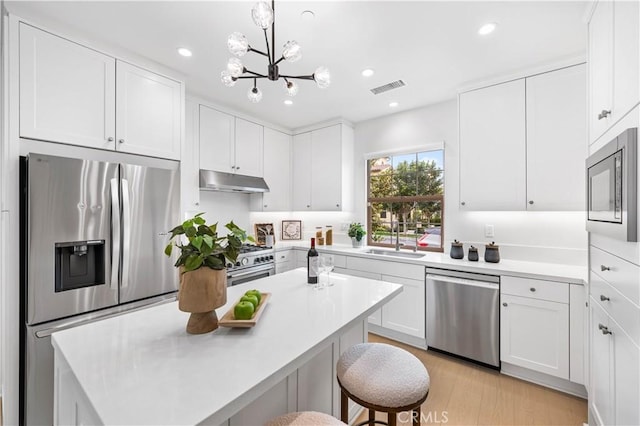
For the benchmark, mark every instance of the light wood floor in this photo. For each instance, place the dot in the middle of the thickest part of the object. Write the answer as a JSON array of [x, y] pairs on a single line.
[[474, 395]]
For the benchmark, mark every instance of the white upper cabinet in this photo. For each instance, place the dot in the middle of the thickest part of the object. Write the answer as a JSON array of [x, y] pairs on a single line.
[[492, 148], [217, 133], [519, 139], [600, 68], [301, 172], [323, 169], [230, 144], [326, 168], [148, 112], [614, 63], [67, 91], [277, 173], [73, 94], [556, 134], [249, 148]]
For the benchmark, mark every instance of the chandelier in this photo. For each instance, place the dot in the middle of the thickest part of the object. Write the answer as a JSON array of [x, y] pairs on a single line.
[[264, 17]]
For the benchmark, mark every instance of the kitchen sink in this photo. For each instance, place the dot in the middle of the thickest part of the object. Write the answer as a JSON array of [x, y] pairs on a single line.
[[405, 254]]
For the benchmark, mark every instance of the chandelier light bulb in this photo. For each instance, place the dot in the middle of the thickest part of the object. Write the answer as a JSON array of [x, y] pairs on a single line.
[[291, 87], [235, 67], [227, 79], [322, 77], [262, 15], [254, 94], [238, 44], [292, 51]]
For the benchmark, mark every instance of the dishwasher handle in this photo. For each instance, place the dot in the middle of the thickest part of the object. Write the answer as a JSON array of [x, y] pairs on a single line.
[[463, 281]]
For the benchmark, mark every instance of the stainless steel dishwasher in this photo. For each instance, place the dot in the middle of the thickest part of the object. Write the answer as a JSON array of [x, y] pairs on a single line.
[[463, 314]]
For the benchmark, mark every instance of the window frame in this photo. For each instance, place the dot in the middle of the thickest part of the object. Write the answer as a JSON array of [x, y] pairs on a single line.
[[404, 199]]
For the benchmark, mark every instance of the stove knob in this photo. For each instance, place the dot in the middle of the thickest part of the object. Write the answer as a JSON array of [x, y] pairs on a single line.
[[245, 261], [256, 260], [229, 265], [263, 258], [237, 263], [271, 257]]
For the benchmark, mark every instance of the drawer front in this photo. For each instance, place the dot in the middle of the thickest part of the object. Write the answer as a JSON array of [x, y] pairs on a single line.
[[535, 289], [397, 269], [283, 256], [622, 275], [616, 305]]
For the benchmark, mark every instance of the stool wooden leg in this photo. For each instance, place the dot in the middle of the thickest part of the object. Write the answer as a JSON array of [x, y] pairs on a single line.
[[416, 416], [344, 407], [391, 419], [372, 417]]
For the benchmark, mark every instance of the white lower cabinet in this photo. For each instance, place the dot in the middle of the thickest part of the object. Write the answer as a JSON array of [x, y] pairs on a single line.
[[284, 261], [271, 404], [376, 317], [406, 312], [535, 334], [614, 372], [315, 386]]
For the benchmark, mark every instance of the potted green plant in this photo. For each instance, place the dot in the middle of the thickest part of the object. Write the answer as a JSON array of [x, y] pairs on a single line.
[[202, 263], [356, 232]]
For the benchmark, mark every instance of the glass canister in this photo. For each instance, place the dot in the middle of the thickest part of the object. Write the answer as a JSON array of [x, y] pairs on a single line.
[[319, 238], [328, 235], [457, 250]]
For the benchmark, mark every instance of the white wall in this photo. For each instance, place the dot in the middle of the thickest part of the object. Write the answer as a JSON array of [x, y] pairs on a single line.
[[557, 237], [310, 220], [224, 207]]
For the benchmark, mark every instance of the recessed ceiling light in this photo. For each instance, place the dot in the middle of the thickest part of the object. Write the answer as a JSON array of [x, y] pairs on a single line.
[[367, 72], [307, 15], [393, 104], [184, 51], [288, 102], [487, 28]]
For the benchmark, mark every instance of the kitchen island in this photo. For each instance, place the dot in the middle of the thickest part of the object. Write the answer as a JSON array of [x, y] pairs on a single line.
[[143, 368]]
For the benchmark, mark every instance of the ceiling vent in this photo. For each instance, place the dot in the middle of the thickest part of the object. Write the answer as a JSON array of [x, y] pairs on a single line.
[[386, 87]]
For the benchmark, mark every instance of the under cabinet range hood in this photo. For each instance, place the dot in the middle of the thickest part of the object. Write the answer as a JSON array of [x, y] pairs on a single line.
[[230, 182]]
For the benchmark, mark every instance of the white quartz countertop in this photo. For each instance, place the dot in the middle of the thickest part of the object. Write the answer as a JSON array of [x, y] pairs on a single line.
[[143, 368], [517, 268]]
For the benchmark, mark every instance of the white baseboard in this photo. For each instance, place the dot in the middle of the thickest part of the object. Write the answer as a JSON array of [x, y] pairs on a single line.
[[542, 379], [397, 336]]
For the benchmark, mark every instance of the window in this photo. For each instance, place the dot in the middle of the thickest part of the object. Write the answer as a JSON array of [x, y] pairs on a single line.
[[405, 200]]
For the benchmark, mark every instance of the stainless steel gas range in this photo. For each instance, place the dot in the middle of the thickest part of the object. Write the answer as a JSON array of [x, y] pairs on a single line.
[[253, 262]]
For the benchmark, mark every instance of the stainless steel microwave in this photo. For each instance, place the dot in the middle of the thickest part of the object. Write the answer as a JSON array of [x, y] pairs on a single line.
[[612, 184]]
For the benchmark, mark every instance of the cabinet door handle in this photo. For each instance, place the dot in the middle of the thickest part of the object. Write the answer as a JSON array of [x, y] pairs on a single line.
[[463, 203], [604, 298], [337, 205], [110, 139], [505, 304], [530, 201], [233, 167], [604, 329], [197, 204], [121, 141], [308, 206], [532, 289], [237, 168], [604, 268], [265, 206], [604, 114]]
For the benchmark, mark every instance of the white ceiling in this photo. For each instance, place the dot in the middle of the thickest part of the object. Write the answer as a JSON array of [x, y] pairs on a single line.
[[433, 46]]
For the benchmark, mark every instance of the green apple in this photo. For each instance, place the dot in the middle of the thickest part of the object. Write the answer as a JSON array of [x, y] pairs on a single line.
[[250, 298], [256, 293], [243, 310]]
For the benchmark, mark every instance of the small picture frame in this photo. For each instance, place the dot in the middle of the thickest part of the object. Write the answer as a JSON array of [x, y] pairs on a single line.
[[291, 230], [263, 231]]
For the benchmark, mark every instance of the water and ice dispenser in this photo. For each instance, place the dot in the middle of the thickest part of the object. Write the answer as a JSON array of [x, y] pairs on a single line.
[[79, 264]]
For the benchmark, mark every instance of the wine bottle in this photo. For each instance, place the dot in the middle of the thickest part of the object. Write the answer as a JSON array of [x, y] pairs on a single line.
[[312, 263]]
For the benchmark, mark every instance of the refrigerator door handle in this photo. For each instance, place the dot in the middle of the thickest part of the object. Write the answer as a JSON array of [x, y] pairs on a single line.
[[126, 232], [115, 229]]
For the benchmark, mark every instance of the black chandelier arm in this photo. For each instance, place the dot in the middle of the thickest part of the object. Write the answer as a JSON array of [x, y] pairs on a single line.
[[299, 77], [279, 60], [259, 52], [250, 76], [253, 73], [266, 39], [273, 33]]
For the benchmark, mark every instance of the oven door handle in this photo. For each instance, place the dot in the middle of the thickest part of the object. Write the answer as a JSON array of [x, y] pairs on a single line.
[[251, 272]]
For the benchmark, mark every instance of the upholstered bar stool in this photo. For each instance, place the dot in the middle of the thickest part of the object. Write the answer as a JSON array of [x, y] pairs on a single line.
[[305, 418], [382, 377]]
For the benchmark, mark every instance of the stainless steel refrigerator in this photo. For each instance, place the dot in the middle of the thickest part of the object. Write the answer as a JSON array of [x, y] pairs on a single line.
[[92, 239]]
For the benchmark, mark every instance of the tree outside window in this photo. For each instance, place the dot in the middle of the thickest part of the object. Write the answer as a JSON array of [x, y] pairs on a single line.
[[405, 200]]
